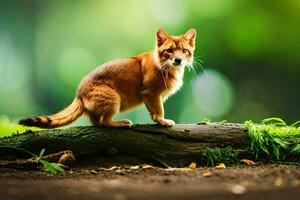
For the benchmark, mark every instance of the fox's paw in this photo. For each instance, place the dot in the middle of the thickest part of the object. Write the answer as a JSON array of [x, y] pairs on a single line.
[[122, 123], [166, 122], [126, 123]]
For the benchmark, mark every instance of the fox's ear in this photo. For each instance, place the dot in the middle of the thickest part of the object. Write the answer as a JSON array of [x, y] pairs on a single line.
[[161, 36], [191, 36]]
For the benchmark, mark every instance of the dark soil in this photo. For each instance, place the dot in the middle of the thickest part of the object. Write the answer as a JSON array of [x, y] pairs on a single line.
[[255, 183]]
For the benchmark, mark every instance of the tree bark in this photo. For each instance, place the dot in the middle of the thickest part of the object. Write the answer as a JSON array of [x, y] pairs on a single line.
[[151, 143]]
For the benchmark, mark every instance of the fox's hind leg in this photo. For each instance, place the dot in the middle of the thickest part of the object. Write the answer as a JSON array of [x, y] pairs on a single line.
[[106, 120], [102, 103], [94, 118]]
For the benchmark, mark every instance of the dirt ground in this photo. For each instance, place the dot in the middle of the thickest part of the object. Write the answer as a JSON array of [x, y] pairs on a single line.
[[145, 182]]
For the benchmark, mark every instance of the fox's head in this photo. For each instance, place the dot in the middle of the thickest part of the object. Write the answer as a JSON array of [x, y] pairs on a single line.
[[175, 51]]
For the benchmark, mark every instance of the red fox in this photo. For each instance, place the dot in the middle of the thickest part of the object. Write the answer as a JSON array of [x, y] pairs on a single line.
[[120, 85]]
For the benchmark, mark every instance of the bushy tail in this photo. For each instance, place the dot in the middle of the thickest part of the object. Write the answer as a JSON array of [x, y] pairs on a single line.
[[64, 117]]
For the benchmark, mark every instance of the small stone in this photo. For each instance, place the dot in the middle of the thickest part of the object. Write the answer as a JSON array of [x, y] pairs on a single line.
[[248, 162], [278, 181], [207, 174], [238, 189]]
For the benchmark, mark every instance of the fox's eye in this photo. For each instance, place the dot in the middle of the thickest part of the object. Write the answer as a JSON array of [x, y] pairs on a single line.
[[169, 50], [184, 50]]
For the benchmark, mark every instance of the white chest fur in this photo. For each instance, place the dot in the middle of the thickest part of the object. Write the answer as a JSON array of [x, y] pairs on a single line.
[[174, 83]]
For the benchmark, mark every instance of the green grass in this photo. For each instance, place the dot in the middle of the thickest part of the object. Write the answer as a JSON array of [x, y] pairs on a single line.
[[8, 128], [50, 167], [273, 138]]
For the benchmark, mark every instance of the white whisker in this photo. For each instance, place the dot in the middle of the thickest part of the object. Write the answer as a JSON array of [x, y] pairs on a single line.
[[163, 69], [198, 62]]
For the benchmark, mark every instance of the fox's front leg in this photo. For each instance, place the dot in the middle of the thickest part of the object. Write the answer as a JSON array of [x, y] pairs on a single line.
[[154, 105]]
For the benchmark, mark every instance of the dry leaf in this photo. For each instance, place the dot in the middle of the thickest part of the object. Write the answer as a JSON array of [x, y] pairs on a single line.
[[248, 162], [221, 166], [178, 169], [134, 167], [192, 165], [66, 158], [147, 167], [94, 171], [113, 168]]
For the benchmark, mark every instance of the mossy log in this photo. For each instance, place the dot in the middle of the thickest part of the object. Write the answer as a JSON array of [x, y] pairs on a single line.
[[151, 143]]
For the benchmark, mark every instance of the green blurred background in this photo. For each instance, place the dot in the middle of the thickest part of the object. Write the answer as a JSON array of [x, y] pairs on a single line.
[[250, 50]]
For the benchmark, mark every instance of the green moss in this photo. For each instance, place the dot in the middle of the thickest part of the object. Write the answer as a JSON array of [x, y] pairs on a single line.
[[213, 156], [271, 140], [8, 128]]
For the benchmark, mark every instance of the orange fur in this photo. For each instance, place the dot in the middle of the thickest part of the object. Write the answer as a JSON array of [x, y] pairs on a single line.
[[120, 85]]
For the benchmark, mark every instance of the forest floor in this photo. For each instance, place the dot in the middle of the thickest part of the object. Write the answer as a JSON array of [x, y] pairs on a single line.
[[146, 182]]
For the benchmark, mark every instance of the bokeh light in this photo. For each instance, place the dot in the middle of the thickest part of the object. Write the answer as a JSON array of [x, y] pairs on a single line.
[[47, 47], [213, 94]]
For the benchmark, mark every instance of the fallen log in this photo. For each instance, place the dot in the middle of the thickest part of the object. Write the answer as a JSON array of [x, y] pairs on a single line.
[[151, 143]]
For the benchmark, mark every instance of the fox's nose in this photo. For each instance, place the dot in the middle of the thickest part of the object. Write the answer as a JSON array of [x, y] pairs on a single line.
[[177, 61]]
